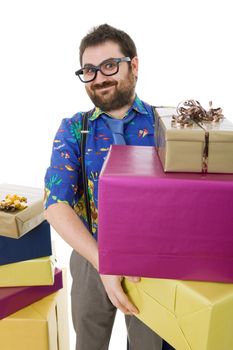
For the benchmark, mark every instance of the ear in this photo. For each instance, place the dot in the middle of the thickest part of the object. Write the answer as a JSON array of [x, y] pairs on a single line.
[[134, 65]]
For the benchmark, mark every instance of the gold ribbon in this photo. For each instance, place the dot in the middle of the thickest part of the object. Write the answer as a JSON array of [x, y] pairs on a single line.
[[190, 112]]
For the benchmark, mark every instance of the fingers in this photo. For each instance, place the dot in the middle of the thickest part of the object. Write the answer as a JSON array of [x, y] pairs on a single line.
[[122, 302], [133, 279], [119, 299]]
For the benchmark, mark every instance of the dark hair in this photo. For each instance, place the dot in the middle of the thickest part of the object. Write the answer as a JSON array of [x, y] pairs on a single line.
[[105, 32]]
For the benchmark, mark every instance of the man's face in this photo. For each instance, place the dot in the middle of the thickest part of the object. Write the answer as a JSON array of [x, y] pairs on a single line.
[[110, 92]]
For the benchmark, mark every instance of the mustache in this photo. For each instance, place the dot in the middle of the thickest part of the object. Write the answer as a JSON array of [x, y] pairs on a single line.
[[104, 85]]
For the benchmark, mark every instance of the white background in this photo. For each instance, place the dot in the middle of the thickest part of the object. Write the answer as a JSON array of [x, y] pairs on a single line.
[[184, 48]]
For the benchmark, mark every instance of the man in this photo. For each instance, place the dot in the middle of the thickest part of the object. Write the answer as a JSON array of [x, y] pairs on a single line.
[[109, 62]]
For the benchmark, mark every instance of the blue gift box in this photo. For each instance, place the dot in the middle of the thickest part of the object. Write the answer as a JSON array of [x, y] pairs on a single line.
[[34, 244]]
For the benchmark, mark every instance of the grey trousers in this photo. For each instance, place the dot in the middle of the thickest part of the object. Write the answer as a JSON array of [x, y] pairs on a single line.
[[93, 313]]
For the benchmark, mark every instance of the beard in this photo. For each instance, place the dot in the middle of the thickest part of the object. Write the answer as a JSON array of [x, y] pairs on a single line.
[[121, 94]]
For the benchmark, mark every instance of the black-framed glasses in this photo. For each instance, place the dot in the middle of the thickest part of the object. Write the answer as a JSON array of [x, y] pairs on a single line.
[[108, 67]]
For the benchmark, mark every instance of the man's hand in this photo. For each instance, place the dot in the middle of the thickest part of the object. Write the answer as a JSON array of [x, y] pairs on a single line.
[[112, 285], [133, 279]]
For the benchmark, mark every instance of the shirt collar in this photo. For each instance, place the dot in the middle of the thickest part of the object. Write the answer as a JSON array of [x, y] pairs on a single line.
[[137, 106]]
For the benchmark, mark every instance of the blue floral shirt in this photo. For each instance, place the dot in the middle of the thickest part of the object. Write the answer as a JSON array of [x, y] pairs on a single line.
[[63, 182]]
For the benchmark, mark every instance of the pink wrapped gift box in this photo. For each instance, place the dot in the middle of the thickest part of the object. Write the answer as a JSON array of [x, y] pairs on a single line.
[[164, 225]]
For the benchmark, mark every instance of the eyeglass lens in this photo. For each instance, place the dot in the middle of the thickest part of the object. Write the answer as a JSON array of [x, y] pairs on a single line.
[[107, 68]]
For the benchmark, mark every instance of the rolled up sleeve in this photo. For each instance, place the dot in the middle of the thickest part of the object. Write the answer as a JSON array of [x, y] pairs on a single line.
[[61, 177]]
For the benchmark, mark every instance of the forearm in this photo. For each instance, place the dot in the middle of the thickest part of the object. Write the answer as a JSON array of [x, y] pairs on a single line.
[[70, 227]]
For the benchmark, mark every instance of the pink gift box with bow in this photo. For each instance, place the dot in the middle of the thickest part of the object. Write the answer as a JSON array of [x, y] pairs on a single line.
[[163, 225]]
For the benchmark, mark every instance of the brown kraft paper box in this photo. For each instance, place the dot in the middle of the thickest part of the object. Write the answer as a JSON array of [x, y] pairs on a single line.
[[181, 149], [16, 224]]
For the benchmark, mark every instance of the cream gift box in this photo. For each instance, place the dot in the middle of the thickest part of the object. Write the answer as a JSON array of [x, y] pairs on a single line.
[[17, 223], [181, 149]]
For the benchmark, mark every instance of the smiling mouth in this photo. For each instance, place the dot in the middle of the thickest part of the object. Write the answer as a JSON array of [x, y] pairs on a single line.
[[104, 90], [103, 86]]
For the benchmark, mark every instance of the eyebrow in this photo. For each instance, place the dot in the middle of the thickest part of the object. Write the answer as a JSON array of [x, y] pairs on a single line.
[[92, 65]]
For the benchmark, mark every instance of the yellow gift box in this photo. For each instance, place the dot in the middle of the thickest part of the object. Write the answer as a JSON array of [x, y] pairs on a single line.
[[17, 223], [181, 149], [40, 326], [34, 272], [188, 315]]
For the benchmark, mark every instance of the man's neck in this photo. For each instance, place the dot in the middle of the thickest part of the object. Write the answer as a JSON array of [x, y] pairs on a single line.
[[120, 113]]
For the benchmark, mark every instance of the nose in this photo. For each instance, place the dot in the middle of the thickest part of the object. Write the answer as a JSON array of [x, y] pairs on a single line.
[[100, 77]]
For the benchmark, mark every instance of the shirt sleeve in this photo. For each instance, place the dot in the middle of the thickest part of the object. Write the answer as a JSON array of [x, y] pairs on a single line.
[[62, 175]]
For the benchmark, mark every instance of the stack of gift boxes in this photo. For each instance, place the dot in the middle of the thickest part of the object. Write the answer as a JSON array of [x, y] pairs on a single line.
[[163, 219], [33, 313]]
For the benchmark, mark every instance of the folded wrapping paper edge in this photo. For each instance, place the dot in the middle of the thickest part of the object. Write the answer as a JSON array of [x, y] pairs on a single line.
[[24, 227], [18, 227], [193, 301], [166, 318]]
